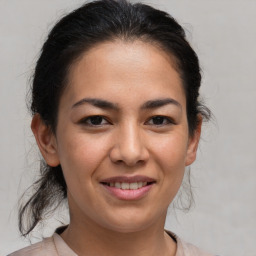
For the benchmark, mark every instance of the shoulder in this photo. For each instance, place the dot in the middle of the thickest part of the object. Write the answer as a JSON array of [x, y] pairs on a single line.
[[187, 249], [44, 248], [190, 249]]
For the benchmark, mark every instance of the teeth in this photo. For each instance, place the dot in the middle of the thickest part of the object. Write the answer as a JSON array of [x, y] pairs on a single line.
[[134, 185], [126, 185], [117, 184]]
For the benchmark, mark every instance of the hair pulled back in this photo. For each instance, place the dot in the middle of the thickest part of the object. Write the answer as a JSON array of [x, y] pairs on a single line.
[[79, 31]]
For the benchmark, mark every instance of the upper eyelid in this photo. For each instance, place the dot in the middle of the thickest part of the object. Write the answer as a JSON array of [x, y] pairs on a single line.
[[84, 119], [164, 116]]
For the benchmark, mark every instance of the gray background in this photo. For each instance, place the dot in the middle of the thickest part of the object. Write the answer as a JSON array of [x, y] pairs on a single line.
[[223, 33]]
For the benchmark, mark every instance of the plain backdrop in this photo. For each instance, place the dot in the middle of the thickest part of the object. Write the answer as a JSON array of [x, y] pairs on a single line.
[[223, 220]]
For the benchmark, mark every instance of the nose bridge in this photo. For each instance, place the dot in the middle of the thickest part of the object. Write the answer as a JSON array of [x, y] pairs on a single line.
[[129, 147], [130, 139]]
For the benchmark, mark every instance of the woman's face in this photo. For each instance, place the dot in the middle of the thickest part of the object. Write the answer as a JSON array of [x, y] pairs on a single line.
[[122, 136]]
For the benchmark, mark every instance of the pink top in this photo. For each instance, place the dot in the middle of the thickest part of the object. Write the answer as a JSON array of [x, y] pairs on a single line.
[[55, 246]]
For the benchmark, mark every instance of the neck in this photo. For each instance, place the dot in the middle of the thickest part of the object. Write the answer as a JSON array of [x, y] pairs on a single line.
[[91, 239]]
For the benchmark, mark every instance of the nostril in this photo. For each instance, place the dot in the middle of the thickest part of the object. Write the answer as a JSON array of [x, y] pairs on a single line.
[[128, 154]]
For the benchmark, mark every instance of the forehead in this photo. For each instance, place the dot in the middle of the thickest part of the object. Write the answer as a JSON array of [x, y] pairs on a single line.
[[123, 70]]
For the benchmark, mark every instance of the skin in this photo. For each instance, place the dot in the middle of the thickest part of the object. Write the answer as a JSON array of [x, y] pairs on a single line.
[[127, 142]]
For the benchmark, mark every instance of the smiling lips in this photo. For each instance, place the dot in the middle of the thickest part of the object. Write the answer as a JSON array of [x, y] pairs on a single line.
[[126, 185], [128, 188]]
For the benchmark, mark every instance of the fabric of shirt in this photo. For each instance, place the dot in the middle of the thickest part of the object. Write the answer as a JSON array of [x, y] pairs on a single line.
[[56, 246]]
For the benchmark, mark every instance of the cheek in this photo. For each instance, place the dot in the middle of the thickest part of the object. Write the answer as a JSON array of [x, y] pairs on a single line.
[[172, 158], [79, 157], [171, 151], [80, 154]]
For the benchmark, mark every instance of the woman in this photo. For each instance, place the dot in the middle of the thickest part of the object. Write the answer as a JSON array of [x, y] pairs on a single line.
[[117, 119]]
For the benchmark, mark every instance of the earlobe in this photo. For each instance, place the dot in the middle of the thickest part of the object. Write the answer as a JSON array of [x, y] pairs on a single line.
[[46, 141], [193, 143]]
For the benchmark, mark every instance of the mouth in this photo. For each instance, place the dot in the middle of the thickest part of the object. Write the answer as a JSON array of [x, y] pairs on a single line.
[[127, 185], [128, 188]]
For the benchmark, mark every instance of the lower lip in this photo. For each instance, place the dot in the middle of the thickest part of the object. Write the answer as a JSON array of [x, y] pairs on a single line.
[[128, 194]]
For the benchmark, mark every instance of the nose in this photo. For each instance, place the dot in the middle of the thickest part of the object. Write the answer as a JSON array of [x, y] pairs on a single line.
[[129, 146]]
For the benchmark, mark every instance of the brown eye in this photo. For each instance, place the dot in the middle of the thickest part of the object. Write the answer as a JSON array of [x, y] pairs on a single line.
[[160, 120], [95, 121]]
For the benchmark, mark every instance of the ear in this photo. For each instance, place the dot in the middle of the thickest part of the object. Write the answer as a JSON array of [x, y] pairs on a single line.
[[193, 143], [46, 141]]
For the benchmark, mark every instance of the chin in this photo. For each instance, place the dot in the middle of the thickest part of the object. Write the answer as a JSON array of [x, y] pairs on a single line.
[[132, 223]]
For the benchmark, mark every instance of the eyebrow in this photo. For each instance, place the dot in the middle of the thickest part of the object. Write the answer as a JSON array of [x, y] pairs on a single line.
[[97, 103], [151, 104]]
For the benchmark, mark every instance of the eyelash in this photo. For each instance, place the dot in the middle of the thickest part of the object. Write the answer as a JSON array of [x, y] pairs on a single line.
[[168, 120], [85, 121]]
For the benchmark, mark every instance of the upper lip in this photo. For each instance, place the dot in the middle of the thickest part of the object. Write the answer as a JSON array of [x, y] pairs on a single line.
[[128, 179]]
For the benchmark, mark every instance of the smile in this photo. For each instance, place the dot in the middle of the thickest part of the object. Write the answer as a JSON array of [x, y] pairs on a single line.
[[126, 185], [128, 188]]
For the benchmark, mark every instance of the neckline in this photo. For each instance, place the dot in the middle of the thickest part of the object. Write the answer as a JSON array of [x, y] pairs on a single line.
[[61, 229], [64, 250]]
